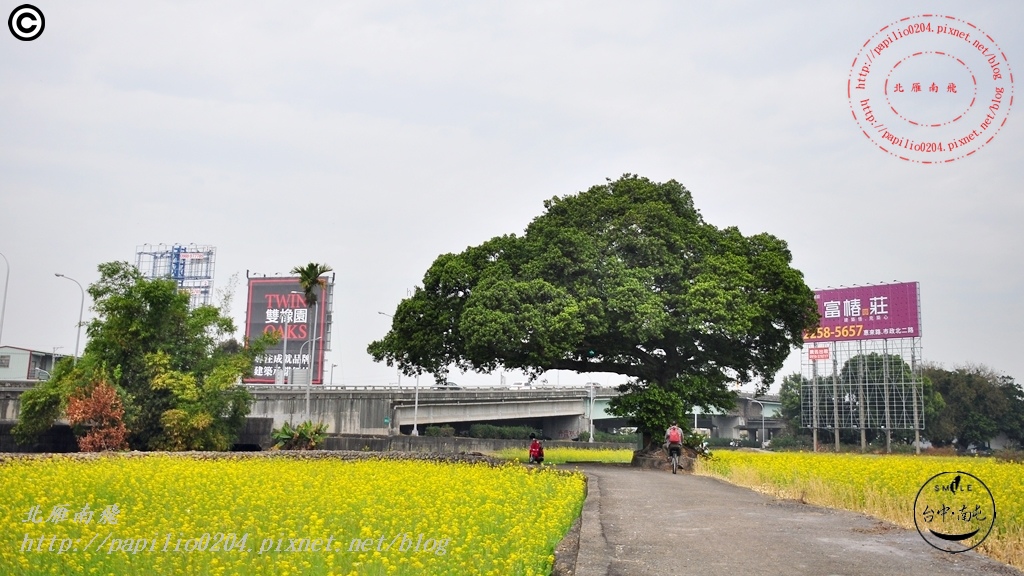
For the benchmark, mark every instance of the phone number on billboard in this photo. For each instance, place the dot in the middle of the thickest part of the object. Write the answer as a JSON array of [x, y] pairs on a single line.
[[849, 331]]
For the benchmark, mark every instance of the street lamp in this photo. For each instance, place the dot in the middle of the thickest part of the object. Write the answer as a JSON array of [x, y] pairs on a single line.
[[764, 432], [590, 437], [332, 374], [416, 395], [309, 381], [81, 308], [415, 407], [3, 307]]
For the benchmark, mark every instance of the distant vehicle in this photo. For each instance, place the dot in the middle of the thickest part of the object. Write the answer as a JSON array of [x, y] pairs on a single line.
[[449, 385]]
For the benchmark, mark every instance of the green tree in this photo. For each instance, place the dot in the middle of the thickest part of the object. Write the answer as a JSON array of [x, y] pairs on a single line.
[[1012, 423], [979, 404], [875, 385], [626, 277], [789, 398], [143, 338]]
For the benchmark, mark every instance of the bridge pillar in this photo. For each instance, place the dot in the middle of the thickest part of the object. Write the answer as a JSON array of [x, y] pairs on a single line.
[[564, 427]]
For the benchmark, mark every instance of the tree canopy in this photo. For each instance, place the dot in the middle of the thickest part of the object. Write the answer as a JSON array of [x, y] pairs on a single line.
[[175, 369], [979, 404], [626, 277], [309, 279]]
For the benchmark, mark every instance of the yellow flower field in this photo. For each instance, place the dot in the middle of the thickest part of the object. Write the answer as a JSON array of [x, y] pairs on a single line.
[[559, 455], [882, 486], [178, 515]]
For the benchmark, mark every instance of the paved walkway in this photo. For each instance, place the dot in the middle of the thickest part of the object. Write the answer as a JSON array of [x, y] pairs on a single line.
[[648, 522]]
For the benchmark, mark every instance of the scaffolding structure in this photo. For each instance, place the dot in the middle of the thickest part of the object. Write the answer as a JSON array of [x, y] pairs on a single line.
[[864, 385], [857, 376], [191, 266]]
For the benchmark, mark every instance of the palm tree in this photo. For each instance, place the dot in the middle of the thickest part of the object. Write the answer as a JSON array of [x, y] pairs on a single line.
[[309, 279]]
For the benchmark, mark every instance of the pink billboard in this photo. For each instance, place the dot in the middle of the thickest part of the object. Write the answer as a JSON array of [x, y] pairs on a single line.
[[866, 313]]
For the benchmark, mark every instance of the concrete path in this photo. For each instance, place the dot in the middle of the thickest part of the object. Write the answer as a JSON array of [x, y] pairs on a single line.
[[649, 522]]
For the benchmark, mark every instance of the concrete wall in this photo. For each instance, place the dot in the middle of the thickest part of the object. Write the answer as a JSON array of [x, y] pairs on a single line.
[[9, 405], [486, 411], [565, 427], [256, 433], [448, 444], [58, 438], [727, 426], [360, 412], [343, 412], [559, 413]]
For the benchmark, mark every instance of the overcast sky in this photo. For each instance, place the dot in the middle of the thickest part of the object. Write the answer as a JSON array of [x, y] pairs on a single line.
[[374, 136]]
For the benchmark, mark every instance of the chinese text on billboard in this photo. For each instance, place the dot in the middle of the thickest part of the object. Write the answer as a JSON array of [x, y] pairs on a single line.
[[278, 305], [867, 312]]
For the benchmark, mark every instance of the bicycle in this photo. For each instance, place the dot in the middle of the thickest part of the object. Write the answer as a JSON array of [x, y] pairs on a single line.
[[674, 454]]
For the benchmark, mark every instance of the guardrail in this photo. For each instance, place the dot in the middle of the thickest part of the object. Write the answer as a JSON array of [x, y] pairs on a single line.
[[24, 384], [548, 389]]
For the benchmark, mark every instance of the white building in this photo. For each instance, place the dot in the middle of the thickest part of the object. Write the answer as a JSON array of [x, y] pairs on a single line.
[[24, 364]]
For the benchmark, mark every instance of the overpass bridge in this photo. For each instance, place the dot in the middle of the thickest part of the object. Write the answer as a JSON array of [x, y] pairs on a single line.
[[561, 412]]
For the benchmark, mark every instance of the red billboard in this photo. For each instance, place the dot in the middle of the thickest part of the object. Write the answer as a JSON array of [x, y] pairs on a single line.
[[866, 313], [278, 305], [818, 353]]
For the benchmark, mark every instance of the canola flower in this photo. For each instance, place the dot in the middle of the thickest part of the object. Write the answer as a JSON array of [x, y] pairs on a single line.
[[561, 455], [882, 486], [284, 516]]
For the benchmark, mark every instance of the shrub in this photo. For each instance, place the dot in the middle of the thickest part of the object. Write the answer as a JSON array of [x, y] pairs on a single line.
[[600, 436], [517, 432], [305, 436], [1010, 455], [697, 443], [502, 432], [99, 412], [483, 431], [790, 442], [439, 431]]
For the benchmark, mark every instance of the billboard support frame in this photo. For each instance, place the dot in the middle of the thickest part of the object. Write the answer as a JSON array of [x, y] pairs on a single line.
[[190, 266], [872, 387]]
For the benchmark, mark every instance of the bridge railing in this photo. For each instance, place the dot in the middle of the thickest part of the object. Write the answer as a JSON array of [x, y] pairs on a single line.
[[449, 389], [19, 384]]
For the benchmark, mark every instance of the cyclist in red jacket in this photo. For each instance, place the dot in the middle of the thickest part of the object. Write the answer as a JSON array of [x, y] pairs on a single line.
[[674, 440]]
